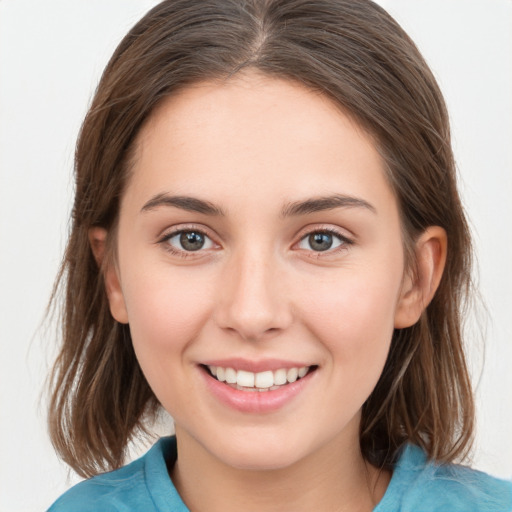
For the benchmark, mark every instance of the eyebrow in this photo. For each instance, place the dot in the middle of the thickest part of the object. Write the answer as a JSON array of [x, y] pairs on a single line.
[[191, 204], [318, 204]]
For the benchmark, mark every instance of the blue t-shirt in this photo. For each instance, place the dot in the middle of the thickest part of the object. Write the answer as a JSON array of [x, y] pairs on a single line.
[[416, 486]]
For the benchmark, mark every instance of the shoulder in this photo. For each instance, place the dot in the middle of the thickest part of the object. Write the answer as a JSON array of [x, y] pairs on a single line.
[[142, 485], [418, 484], [106, 491]]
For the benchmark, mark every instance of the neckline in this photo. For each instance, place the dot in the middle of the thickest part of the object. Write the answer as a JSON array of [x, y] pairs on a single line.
[[163, 454], [410, 462]]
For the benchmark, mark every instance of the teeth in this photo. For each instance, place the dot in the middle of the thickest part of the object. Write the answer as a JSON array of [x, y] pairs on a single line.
[[221, 374], [242, 388], [245, 379], [292, 374], [280, 377], [262, 381], [230, 375]]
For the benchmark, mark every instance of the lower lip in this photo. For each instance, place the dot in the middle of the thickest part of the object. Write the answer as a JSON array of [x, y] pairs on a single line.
[[258, 402]]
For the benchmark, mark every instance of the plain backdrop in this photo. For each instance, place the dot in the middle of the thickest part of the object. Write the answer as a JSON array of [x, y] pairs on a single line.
[[51, 56]]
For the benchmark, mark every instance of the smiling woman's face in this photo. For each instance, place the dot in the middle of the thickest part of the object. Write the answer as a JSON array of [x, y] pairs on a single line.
[[258, 238]]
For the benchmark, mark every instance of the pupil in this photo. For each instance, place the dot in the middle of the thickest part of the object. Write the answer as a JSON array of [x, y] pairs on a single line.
[[191, 241], [320, 241]]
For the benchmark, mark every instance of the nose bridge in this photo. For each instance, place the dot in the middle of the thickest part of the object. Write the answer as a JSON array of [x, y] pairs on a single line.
[[253, 301]]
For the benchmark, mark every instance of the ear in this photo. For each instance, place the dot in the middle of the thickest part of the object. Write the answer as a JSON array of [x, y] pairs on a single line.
[[418, 288], [98, 240]]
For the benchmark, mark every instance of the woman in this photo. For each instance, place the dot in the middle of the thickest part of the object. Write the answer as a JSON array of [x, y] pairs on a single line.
[[266, 200]]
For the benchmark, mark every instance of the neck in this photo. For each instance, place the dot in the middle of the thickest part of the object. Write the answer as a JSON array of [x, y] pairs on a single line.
[[333, 479]]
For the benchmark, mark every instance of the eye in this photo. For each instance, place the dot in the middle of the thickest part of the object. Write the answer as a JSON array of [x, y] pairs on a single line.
[[188, 240], [323, 240]]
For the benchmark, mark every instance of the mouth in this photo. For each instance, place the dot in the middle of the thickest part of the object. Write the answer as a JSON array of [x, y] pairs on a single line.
[[264, 381]]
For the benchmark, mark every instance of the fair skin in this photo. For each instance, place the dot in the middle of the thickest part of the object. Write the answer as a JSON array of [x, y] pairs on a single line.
[[266, 285]]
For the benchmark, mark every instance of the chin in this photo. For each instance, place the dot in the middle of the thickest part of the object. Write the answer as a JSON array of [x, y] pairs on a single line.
[[260, 460], [259, 452]]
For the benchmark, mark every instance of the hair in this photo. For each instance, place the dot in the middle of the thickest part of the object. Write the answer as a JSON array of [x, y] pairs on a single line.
[[351, 51]]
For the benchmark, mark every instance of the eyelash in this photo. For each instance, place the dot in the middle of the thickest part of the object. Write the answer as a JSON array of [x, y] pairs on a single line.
[[177, 252], [345, 241]]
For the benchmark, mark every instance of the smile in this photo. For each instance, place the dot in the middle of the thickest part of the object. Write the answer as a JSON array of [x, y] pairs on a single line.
[[268, 380], [257, 387]]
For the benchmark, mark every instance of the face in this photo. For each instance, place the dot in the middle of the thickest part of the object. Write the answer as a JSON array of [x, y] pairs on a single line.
[[260, 267]]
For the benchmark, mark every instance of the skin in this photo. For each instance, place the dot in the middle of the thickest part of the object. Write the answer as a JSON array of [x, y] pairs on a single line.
[[258, 290]]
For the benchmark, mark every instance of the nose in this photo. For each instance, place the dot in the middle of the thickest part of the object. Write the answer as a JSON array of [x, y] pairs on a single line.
[[253, 299]]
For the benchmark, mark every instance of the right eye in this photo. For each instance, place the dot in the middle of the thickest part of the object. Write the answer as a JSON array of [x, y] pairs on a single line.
[[186, 241]]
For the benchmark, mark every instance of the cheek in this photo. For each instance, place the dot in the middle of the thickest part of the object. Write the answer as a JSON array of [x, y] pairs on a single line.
[[166, 313], [355, 322]]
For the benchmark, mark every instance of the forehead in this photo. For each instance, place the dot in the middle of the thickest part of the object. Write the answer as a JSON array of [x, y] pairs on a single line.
[[253, 134]]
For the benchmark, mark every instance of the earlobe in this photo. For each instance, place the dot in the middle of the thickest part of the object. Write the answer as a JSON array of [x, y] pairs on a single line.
[[419, 287], [97, 239]]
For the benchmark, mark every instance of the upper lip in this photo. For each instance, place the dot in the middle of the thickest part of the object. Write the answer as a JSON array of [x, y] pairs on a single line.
[[255, 366]]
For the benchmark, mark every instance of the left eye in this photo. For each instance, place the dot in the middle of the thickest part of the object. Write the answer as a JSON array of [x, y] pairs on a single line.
[[189, 241], [320, 241]]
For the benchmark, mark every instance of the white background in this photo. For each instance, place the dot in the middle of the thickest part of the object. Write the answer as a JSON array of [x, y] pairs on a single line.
[[51, 56]]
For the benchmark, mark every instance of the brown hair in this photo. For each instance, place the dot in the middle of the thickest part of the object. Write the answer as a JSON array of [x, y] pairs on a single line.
[[349, 50]]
